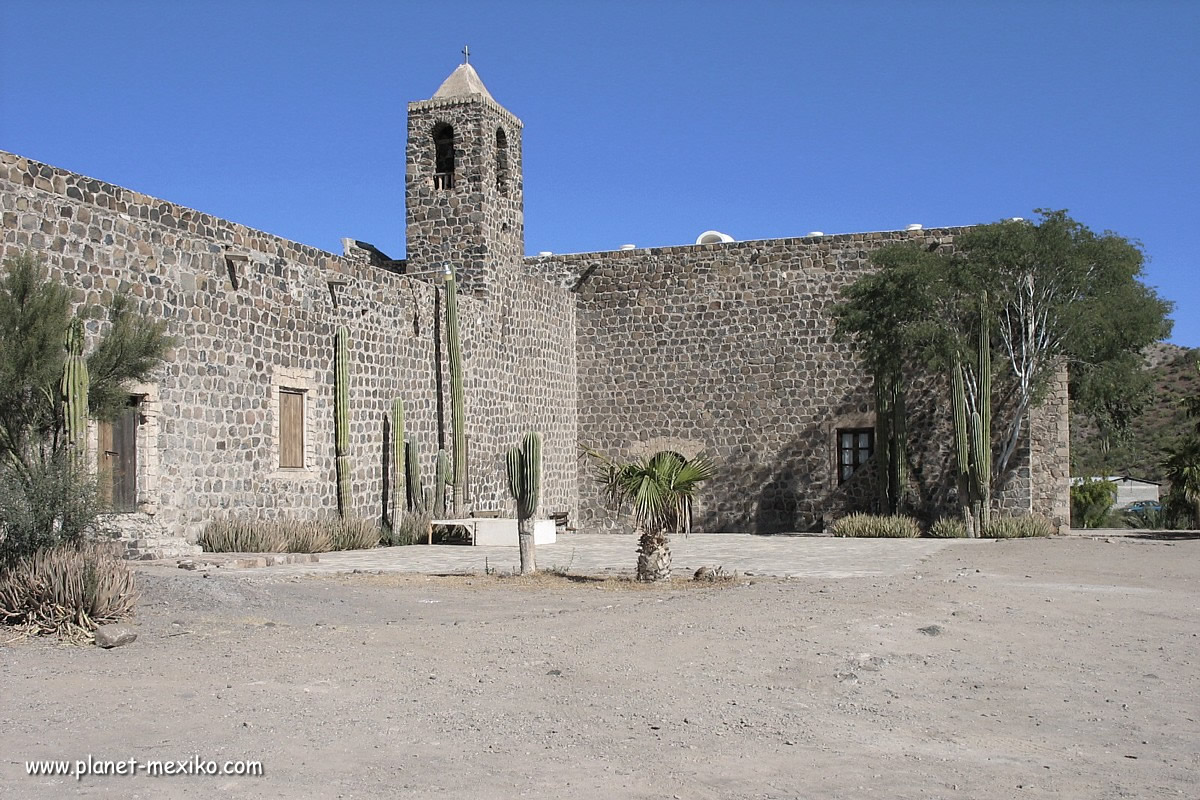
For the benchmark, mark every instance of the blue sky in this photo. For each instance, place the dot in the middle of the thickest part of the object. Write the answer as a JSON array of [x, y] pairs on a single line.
[[645, 122]]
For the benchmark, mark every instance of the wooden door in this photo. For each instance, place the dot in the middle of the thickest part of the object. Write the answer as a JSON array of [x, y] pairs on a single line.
[[118, 459]]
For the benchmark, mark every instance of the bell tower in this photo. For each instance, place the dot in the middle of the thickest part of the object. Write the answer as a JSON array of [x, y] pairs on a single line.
[[464, 195]]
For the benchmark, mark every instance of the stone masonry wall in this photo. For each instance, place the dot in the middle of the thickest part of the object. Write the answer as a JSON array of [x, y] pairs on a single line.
[[728, 348], [1051, 451], [524, 349], [214, 448], [477, 222]]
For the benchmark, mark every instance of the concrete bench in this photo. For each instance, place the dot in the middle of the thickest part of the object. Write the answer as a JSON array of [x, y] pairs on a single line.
[[501, 532]]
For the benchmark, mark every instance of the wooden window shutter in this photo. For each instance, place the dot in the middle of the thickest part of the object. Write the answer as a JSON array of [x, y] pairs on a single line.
[[291, 429]]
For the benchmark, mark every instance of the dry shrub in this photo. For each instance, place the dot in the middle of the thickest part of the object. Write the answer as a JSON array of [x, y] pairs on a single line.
[[948, 528], [1022, 527], [307, 537], [355, 533], [876, 526], [243, 535], [54, 502], [411, 528], [69, 589]]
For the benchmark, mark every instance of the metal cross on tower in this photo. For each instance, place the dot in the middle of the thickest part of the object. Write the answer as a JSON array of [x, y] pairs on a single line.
[[466, 51]]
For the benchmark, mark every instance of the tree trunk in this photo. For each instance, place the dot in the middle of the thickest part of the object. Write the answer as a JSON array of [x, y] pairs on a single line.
[[654, 556], [528, 547]]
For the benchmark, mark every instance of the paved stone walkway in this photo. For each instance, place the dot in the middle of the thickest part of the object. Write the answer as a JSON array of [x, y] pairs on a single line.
[[599, 554]]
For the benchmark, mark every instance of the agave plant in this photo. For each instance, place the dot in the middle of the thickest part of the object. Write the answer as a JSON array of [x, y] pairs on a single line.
[[658, 491]]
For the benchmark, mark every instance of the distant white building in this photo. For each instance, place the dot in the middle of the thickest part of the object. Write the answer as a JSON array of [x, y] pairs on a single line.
[[1129, 490]]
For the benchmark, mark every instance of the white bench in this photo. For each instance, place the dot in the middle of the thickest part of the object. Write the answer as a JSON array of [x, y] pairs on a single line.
[[501, 532]]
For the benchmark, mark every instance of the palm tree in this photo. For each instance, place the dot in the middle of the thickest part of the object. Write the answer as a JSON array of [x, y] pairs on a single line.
[[1183, 466], [659, 491], [1183, 473]]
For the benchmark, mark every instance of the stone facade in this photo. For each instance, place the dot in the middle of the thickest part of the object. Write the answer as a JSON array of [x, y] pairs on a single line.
[[253, 314], [725, 348]]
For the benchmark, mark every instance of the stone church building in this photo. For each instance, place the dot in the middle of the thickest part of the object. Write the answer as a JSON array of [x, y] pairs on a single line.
[[720, 346]]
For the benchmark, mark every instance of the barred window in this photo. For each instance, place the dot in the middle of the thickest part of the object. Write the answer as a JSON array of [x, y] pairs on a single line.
[[855, 447]]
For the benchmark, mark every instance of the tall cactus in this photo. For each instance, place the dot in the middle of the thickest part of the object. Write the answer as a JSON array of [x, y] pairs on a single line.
[[441, 477], [412, 478], [973, 432], [397, 463], [341, 419], [524, 470], [983, 434], [457, 419], [75, 385], [891, 447], [883, 442], [899, 472]]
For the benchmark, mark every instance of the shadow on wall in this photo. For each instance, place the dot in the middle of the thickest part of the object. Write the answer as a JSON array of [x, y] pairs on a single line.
[[795, 494], [797, 490]]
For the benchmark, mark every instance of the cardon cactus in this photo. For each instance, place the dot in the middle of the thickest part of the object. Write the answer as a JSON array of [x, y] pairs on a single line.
[[983, 434], [524, 470], [75, 390], [412, 479], [891, 446], [899, 452], [441, 477], [973, 432], [457, 420], [397, 461], [341, 419]]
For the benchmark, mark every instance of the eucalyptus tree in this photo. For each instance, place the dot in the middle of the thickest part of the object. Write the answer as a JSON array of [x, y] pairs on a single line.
[[1002, 311]]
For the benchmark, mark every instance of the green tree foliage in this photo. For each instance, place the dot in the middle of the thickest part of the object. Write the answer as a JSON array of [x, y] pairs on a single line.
[[55, 502], [1161, 427], [1183, 472], [1064, 292], [886, 314], [48, 497], [1056, 292], [1091, 501], [1183, 468], [35, 316]]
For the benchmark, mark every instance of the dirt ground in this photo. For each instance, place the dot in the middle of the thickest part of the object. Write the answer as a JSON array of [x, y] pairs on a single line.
[[1057, 668]]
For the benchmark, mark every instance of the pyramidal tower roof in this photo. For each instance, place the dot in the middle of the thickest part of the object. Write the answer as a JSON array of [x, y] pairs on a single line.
[[463, 81]]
